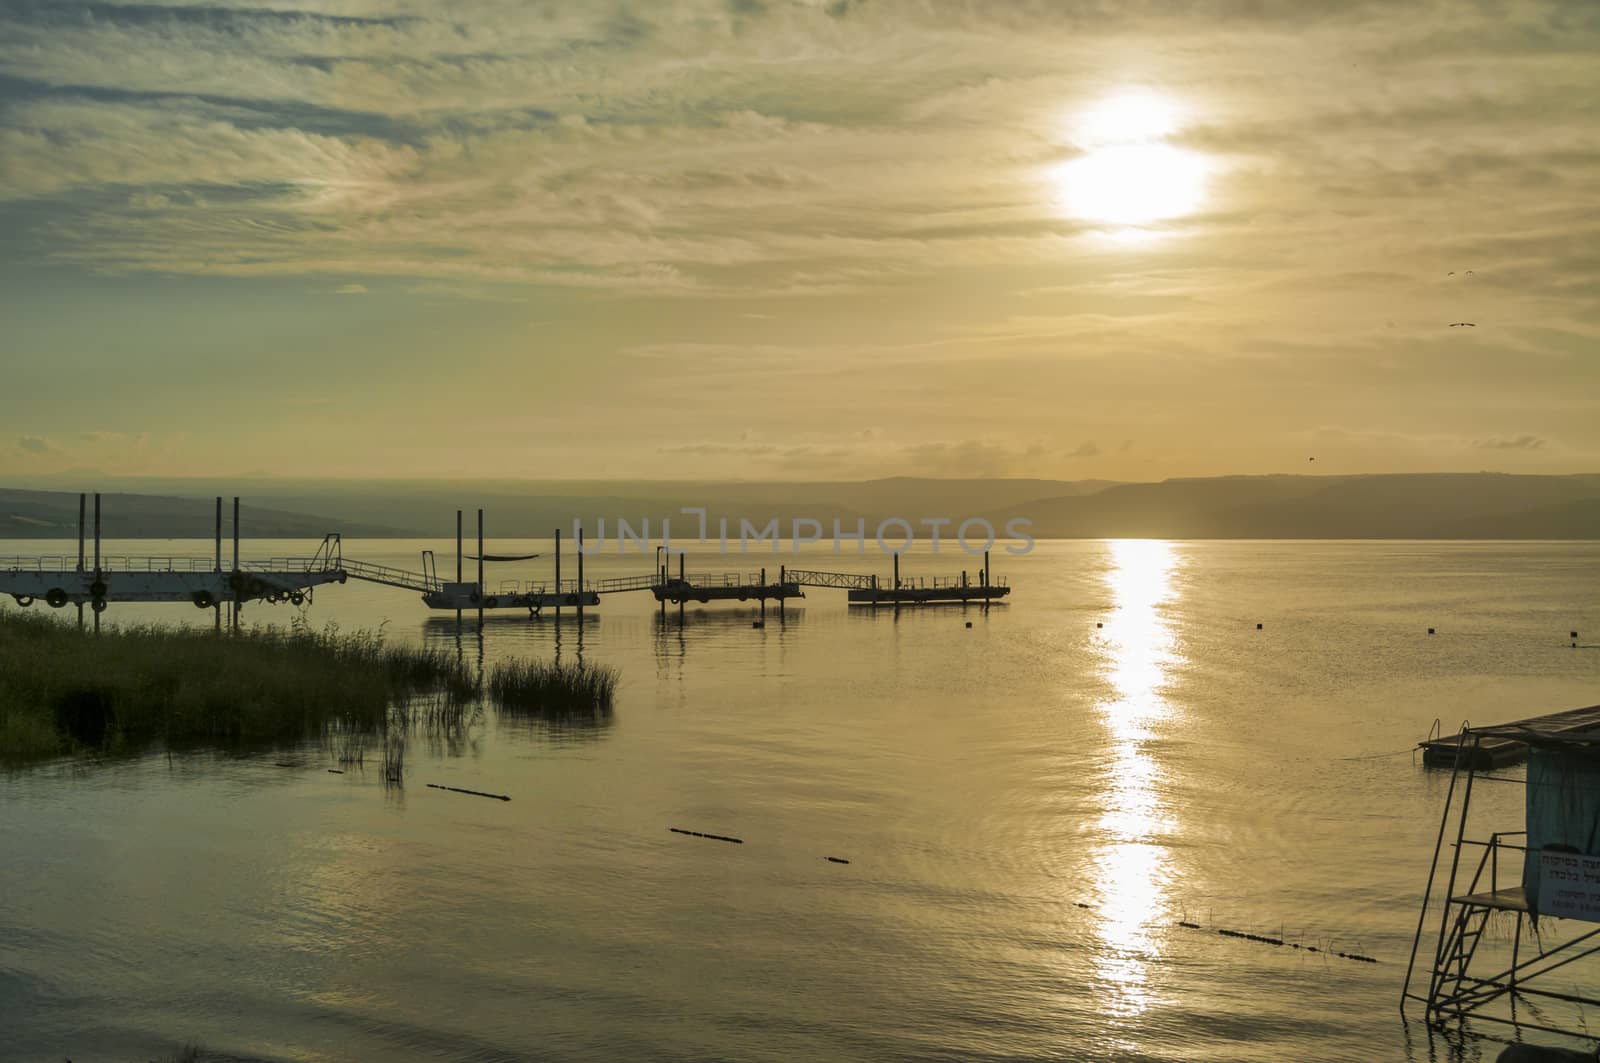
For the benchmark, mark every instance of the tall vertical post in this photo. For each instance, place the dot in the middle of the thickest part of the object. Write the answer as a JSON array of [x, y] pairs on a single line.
[[986, 579], [558, 574], [98, 604], [83, 501], [235, 596], [683, 590], [763, 595], [782, 579], [480, 570], [896, 571], [458, 566], [216, 604], [580, 579]]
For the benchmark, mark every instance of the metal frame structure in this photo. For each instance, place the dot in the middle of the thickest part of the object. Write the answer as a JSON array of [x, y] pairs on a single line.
[[1467, 974]]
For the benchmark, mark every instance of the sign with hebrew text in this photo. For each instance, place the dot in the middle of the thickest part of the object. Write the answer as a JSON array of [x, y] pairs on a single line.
[[1569, 885]]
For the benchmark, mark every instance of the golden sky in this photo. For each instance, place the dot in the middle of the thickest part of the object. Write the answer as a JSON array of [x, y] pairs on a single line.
[[792, 239]]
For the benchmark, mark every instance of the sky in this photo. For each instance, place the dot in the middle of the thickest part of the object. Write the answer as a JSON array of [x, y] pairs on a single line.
[[799, 239]]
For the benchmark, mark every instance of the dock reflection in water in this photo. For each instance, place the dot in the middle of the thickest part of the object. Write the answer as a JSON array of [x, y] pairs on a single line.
[[1131, 866]]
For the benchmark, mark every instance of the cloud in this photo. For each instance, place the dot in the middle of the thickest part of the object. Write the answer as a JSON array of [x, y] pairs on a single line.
[[1521, 442], [35, 445], [686, 151], [863, 202]]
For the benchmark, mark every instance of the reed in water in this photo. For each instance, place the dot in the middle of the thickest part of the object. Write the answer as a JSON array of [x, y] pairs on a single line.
[[66, 691], [552, 688]]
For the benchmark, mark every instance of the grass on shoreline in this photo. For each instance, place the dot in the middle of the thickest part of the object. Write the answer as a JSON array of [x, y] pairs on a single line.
[[66, 691]]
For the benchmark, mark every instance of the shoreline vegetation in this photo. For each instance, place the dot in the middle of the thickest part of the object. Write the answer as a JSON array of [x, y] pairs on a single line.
[[64, 691]]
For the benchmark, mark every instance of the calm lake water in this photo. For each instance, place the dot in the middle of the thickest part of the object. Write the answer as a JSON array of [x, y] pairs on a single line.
[[1029, 808]]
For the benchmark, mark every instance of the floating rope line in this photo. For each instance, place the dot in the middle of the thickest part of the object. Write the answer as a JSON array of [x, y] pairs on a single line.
[[474, 793], [1264, 940], [713, 837]]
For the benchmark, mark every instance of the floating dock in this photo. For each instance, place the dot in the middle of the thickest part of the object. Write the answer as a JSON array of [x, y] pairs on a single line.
[[209, 583], [935, 590], [1499, 750]]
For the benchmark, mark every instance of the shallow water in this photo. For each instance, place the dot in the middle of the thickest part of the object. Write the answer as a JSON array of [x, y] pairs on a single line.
[[1029, 808]]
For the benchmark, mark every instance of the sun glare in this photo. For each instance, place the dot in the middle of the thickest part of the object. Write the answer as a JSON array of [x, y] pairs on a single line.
[[1127, 175]]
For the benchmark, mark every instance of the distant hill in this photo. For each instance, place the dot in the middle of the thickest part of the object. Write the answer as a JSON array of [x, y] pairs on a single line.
[[526, 508], [1408, 506], [54, 515]]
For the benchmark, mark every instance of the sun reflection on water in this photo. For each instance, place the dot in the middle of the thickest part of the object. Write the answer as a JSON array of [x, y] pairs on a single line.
[[1131, 868]]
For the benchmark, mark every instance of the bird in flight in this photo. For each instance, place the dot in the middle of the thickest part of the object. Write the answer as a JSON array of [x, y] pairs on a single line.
[[1463, 324]]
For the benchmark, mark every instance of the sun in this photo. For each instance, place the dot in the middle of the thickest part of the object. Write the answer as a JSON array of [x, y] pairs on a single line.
[[1127, 176]]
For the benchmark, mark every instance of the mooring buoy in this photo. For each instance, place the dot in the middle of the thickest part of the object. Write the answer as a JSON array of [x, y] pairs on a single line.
[[1430, 631]]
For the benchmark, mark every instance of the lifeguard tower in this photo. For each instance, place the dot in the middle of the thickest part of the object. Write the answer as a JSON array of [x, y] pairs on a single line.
[[1513, 914]]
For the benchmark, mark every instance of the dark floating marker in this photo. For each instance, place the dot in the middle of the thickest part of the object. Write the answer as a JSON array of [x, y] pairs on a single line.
[[283, 764], [757, 623], [1572, 634], [474, 793], [1430, 631], [969, 623], [1258, 627], [1080, 904], [1265, 940], [837, 860], [713, 837], [1099, 625], [335, 771]]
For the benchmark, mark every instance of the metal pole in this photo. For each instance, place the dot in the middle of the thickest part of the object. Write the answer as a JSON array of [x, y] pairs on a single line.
[[82, 502], [580, 580], [216, 604], [458, 567], [763, 595], [235, 595], [558, 574], [1427, 891], [683, 590], [96, 556], [896, 571], [782, 579], [480, 569], [1437, 978]]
